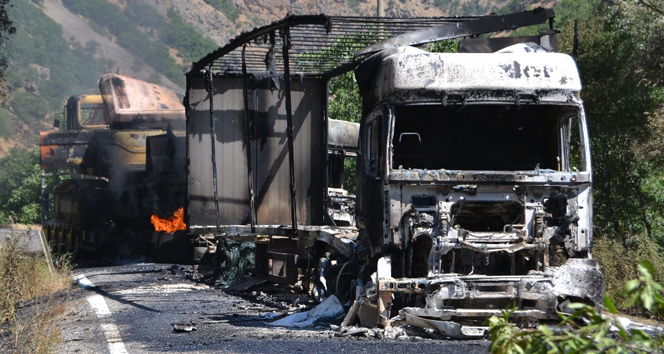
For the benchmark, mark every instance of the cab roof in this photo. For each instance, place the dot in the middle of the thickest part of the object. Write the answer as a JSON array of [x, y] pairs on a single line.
[[521, 69]]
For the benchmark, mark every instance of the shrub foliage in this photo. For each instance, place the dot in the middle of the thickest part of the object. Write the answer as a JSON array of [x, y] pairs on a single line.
[[586, 330]]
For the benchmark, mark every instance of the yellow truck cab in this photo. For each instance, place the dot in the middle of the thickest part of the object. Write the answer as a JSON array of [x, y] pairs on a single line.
[[84, 112]]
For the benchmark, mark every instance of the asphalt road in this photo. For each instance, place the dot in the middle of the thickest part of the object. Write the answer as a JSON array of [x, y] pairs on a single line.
[[132, 308]]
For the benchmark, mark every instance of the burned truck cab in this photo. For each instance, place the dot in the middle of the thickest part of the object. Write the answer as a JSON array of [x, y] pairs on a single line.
[[475, 186]]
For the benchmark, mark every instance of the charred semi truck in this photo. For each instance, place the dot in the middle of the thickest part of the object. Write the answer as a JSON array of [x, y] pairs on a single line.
[[118, 162], [481, 167], [474, 180]]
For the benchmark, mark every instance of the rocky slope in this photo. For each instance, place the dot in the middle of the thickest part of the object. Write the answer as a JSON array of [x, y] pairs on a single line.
[[120, 60], [214, 24]]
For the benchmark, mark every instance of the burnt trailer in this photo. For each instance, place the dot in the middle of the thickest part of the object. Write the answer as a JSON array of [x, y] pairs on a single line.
[[474, 181], [263, 156]]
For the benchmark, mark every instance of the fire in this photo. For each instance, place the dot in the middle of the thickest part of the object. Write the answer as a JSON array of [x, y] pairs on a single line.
[[171, 223]]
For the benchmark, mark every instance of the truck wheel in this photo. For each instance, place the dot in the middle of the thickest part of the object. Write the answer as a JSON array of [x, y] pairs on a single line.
[[344, 281]]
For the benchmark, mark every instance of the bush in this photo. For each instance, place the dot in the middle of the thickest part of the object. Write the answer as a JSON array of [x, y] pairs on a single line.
[[153, 53], [20, 186], [586, 330], [186, 38], [512, 7], [617, 262], [28, 107], [227, 7], [5, 124], [145, 15], [99, 29]]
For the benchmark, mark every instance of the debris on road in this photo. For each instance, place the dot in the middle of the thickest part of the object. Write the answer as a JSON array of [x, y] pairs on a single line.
[[630, 325], [447, 328], [392, 332], [329, 311], [239, 263], [183, 328], [245, 285], [177, 270]]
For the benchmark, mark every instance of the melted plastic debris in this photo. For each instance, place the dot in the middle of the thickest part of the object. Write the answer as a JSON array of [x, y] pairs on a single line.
[[329, 311]]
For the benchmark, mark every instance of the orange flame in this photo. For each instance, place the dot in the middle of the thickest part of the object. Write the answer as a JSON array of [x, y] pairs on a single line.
[[171, 223]]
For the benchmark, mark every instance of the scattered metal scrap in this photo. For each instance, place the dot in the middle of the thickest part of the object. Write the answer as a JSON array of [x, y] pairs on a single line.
[[184, 328]]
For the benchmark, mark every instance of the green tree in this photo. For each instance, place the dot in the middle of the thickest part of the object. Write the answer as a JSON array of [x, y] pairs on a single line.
[[621, 96], [20, 186], [346, 104], [6, 29], [25, 200], [186, 38], [619, 60]]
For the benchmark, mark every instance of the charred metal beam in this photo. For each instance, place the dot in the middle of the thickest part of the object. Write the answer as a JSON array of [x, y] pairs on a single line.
[[256, 33], [324, 154], [463, 29], [247, 127], [289, 128], [187, 114], [213, 146], [312, 34]]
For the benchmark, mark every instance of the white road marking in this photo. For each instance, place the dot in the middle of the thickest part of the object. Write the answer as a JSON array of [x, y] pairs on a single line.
[[115, 345], [83, 282], [98, 304]]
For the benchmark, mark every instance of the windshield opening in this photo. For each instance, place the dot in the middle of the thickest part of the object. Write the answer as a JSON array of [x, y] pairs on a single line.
[[478, 137], [92, 114]]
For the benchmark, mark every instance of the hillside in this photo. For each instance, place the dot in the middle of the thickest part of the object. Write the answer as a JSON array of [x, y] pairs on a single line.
[[63, 46]]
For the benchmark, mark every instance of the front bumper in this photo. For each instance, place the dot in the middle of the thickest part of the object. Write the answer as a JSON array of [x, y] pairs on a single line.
[[470, 299]]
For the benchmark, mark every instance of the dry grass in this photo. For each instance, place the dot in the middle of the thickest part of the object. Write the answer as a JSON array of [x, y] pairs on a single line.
[[25, 278], [38, 334]]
